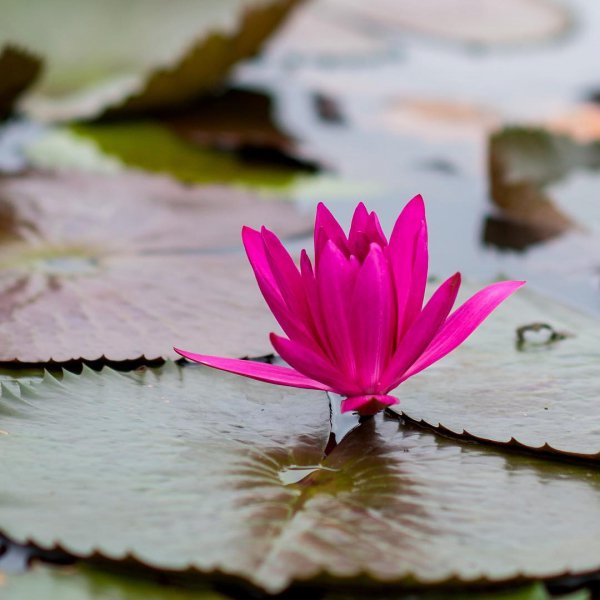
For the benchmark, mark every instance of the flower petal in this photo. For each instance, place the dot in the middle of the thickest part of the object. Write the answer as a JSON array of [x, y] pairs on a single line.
[[314, 307], [256, 370], [409, 257], [327, 228], [310, 364], [286, 274], [374, 231], [422, 331], [289, 322], [373, 318], [367, 405], [358, 238], [462, 322], [335, 282]]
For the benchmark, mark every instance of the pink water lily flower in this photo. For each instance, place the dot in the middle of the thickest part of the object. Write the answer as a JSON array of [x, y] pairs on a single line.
[[355, 321]]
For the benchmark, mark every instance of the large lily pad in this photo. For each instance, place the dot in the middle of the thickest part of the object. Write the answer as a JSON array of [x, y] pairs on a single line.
[[527, 378], [191, 468], [157, 57], [119, 266]]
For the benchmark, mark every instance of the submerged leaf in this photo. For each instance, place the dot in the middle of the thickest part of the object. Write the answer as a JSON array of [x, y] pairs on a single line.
[[527, 379], [120, 266], [157, 57], [186, 468]]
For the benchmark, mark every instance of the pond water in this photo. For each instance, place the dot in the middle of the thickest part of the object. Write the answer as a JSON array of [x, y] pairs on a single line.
[[416, 113]]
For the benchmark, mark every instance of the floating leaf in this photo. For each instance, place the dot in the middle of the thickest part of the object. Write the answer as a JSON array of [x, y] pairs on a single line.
[[82, 582], [527, 379], [59, 149], [154, 147], [18, 70], [157, 57], [85, 583], [120, 266], [187, 468]]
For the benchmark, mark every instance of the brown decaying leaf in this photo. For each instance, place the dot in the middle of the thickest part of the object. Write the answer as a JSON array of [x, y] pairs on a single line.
[[18, 70], [522, 197], [229, 120], [241, 121], [506, 233], [120, 267], [207, 63]]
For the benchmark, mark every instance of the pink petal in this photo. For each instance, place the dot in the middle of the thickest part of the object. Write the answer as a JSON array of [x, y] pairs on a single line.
[[327, 228], [374, 230], [256, 370], [310, 364], [335, 282], [367, 405], [408, 257], [422, 331], [358, 241], [253, 243], [286, 274], [463, 322], [373, 319], [314, 307]]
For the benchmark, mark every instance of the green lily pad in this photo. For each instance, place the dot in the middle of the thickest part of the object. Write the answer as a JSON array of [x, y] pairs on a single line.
[[153, 147], [85, 583], [526, 378], [187, 468], [157, 57], [128, 265]]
